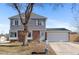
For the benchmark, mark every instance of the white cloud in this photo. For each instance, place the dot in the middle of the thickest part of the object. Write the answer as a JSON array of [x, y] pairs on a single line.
[[4, 28], [52, 23]]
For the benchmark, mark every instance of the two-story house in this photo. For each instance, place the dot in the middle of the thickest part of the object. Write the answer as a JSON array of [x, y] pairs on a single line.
[[36, 27]]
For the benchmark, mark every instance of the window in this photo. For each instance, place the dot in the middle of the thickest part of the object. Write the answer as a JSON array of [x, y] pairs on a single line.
[[39, 22], [42, 33], [36, 22], [42, 22], [16, 22], [29, 34], [12, 34], [11, 22]]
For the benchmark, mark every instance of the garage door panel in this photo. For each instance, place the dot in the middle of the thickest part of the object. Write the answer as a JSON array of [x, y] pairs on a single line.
[[57, 36]]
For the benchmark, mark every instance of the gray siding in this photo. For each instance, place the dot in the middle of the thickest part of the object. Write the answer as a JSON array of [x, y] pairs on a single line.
[[31, 25]]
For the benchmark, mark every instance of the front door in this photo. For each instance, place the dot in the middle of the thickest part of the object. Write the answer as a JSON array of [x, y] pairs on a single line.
[[36, 35], [20, 36]]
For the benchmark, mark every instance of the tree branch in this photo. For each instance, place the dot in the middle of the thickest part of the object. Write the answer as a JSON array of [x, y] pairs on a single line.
[[28, 12], [16, 6]]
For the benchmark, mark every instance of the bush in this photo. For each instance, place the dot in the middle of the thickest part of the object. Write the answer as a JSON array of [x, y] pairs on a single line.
[[77, 39]]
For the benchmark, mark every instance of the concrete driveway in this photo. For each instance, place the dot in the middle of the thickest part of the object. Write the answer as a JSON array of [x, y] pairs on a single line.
[[65, 48]]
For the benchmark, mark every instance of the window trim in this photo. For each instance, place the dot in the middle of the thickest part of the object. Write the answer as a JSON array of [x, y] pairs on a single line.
[[31, 35], [39, 22], [16, 22], [42, 22], [42, 33], [12, 23], [12, 34], [36, 23], [42, 37]]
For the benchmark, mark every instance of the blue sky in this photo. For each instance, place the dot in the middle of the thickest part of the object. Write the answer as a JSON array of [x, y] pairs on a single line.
[[59, 18]]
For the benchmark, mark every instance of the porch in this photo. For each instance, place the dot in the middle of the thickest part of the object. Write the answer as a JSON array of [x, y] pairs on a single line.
[[34, 35]]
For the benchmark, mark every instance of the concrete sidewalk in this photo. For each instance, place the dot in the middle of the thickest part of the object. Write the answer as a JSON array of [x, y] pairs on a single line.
[[65, 48]]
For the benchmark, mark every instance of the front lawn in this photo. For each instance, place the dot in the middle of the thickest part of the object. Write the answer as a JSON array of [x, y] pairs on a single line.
[[15, 48]]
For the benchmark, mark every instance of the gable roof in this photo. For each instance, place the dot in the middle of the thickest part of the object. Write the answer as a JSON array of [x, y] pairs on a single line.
[[33, 15], [62, 29]]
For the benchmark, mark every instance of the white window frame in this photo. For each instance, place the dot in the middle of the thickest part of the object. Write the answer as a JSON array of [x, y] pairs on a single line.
[[12, 36], [16, 22], [42, 37], [36, 22], [31, 35], [12, 22], [42, 22], [39, 21]]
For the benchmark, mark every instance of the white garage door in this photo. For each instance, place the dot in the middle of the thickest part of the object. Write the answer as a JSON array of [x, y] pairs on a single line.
[[60, 36]]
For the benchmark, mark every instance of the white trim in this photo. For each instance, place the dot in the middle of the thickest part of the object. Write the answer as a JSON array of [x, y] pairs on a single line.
[[12, 23], [13, 38], [31, 36], [42, 22], [42, 37], [36, 23], [38, 29]]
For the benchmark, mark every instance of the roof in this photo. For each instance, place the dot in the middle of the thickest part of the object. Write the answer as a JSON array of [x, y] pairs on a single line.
[[73, 33], [33, 15], [48, 29]]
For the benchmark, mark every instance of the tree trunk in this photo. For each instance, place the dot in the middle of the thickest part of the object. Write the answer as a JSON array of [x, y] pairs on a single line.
[[25, 41], [27, 17]]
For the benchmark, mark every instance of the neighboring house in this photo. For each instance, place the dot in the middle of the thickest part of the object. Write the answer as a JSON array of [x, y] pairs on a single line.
[[5, 35], [3, 38], [36, 27], [58, 34], [74, 37]]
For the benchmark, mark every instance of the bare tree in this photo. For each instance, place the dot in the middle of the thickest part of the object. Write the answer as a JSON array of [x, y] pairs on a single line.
[[75, 12], [19, 7], [27, 8]]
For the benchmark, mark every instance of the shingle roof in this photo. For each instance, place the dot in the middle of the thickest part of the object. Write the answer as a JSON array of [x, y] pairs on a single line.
[[73, 33], [33, 15], [57, 29]]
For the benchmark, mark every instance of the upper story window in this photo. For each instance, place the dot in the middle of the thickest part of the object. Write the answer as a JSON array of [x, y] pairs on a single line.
[[11, 22], [39, 22], [16, 22]]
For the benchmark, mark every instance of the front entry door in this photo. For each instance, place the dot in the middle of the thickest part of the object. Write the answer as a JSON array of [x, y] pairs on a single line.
[[36, 35], [20, 36]]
